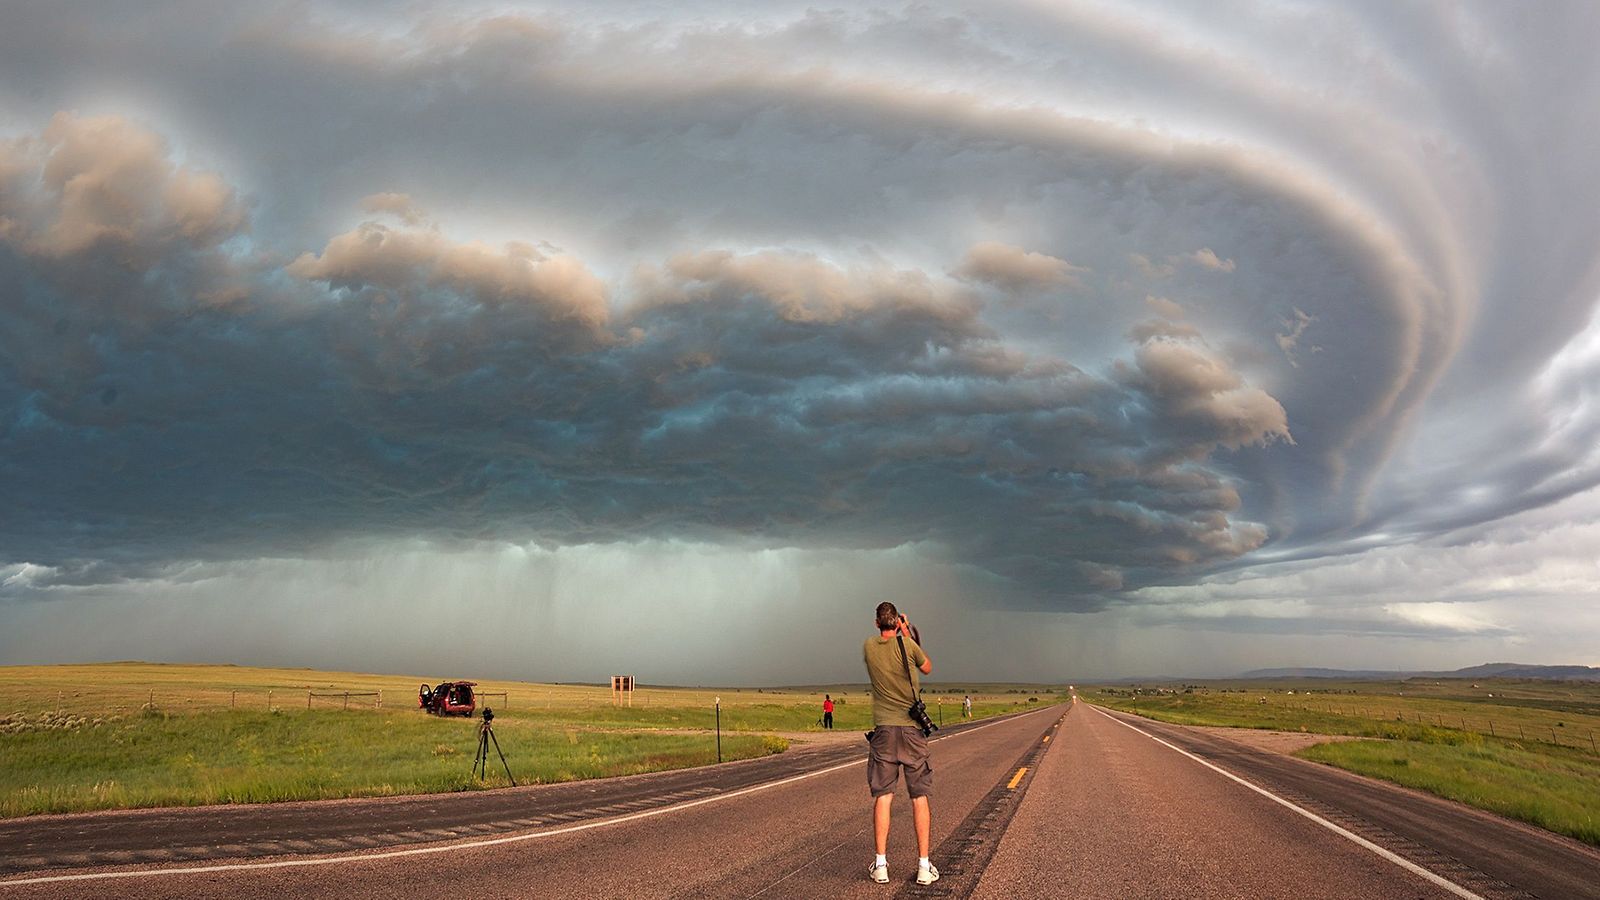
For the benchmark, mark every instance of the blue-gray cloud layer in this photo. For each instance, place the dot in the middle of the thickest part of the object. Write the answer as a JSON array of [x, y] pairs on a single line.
[[173, 396], [1082, 298]]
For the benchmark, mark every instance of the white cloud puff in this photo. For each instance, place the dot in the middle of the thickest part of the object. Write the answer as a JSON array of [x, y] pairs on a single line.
[[1015, 269], [1206, 258], [89, 182], [401, 206], [375, 255]]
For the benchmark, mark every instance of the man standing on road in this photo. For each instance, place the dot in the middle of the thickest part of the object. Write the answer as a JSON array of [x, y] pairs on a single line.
[[827, 711], [896, 741]]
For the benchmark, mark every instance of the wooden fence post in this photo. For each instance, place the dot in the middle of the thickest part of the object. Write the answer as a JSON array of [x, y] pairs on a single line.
[[308, 699], [233, 699], [1491, 728], [380, 699], [269, 701], [346, 699]]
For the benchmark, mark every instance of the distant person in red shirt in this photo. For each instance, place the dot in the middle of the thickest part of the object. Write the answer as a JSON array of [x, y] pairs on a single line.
[[827, 711]]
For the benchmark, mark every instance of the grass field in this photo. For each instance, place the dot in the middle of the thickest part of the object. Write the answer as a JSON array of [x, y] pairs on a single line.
[[137, 734], [1523, 749]]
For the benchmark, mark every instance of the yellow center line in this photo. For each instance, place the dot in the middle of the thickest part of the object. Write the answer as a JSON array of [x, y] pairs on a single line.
[[1016, 778]]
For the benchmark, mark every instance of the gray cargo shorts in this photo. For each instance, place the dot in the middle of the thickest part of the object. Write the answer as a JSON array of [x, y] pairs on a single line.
[[896, 747]]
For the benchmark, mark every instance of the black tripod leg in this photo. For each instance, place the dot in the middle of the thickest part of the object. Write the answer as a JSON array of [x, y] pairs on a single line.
[[502, 759]]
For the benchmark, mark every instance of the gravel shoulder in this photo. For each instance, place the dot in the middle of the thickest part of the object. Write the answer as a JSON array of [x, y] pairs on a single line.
[[1285, 742]]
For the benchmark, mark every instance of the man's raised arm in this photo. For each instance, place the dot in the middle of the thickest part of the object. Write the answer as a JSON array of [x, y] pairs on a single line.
[[905, 629]]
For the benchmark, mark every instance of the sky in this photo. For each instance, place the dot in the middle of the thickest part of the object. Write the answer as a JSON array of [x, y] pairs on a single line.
[[554, 341]]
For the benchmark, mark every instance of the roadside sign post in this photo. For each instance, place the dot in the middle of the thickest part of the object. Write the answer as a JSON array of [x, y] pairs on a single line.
[[719, 729], [622, 690]]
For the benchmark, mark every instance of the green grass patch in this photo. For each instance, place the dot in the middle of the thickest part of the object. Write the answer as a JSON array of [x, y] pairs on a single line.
[[1210, 710], [1566, 715], [154, 759], [1560, 792]]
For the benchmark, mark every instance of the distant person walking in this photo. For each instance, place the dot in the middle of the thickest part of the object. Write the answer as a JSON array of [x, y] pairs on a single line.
[[966, 707], [893, 658], [827, 711]]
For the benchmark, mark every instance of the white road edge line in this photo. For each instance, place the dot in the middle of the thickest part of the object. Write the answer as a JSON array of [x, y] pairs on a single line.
[[1389, 855], [489, 842]]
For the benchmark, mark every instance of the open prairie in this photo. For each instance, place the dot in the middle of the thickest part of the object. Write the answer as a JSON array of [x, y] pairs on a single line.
[[80, 737]]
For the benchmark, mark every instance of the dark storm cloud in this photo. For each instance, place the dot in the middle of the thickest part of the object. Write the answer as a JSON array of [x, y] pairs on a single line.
[[676, 158], [397, 382], [1085, 298]]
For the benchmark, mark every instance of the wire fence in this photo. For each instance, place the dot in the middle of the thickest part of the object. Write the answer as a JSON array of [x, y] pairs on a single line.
[[559, 700], [343, 698], [203, 700], [283, 699]]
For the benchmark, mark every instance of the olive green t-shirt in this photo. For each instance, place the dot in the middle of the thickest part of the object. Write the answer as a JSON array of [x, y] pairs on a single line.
[[891, 693]]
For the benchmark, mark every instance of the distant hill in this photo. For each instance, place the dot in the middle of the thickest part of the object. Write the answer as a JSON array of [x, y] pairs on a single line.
[[1487, 670], [1305, 672], [1518, 670]]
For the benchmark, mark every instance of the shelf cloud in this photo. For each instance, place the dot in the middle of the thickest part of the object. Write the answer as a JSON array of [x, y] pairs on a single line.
[[1101, 314]]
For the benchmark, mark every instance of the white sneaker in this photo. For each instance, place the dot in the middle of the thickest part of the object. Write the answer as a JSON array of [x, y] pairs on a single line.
[[928, 875], [880, 874]]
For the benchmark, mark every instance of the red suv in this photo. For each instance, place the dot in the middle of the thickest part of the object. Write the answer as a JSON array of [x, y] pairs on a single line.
[[449, 698]]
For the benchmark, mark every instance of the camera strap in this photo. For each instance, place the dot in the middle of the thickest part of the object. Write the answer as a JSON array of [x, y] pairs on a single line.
[[906, 661]]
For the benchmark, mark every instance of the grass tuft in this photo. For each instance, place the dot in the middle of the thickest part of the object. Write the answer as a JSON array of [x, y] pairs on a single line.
[[1556, 792]]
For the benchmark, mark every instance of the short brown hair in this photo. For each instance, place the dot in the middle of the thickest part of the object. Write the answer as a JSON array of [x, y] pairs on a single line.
[[888, 616]]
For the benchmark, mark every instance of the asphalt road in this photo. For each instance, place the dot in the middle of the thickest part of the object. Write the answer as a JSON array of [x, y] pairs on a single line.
[[1116, 813], [1055, 803], [1485, 853]]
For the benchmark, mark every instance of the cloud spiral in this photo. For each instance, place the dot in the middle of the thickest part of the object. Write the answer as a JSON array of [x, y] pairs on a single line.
[[1101, 306]]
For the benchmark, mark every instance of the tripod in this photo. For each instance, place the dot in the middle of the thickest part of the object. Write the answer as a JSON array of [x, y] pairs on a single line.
[[481, 760]]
